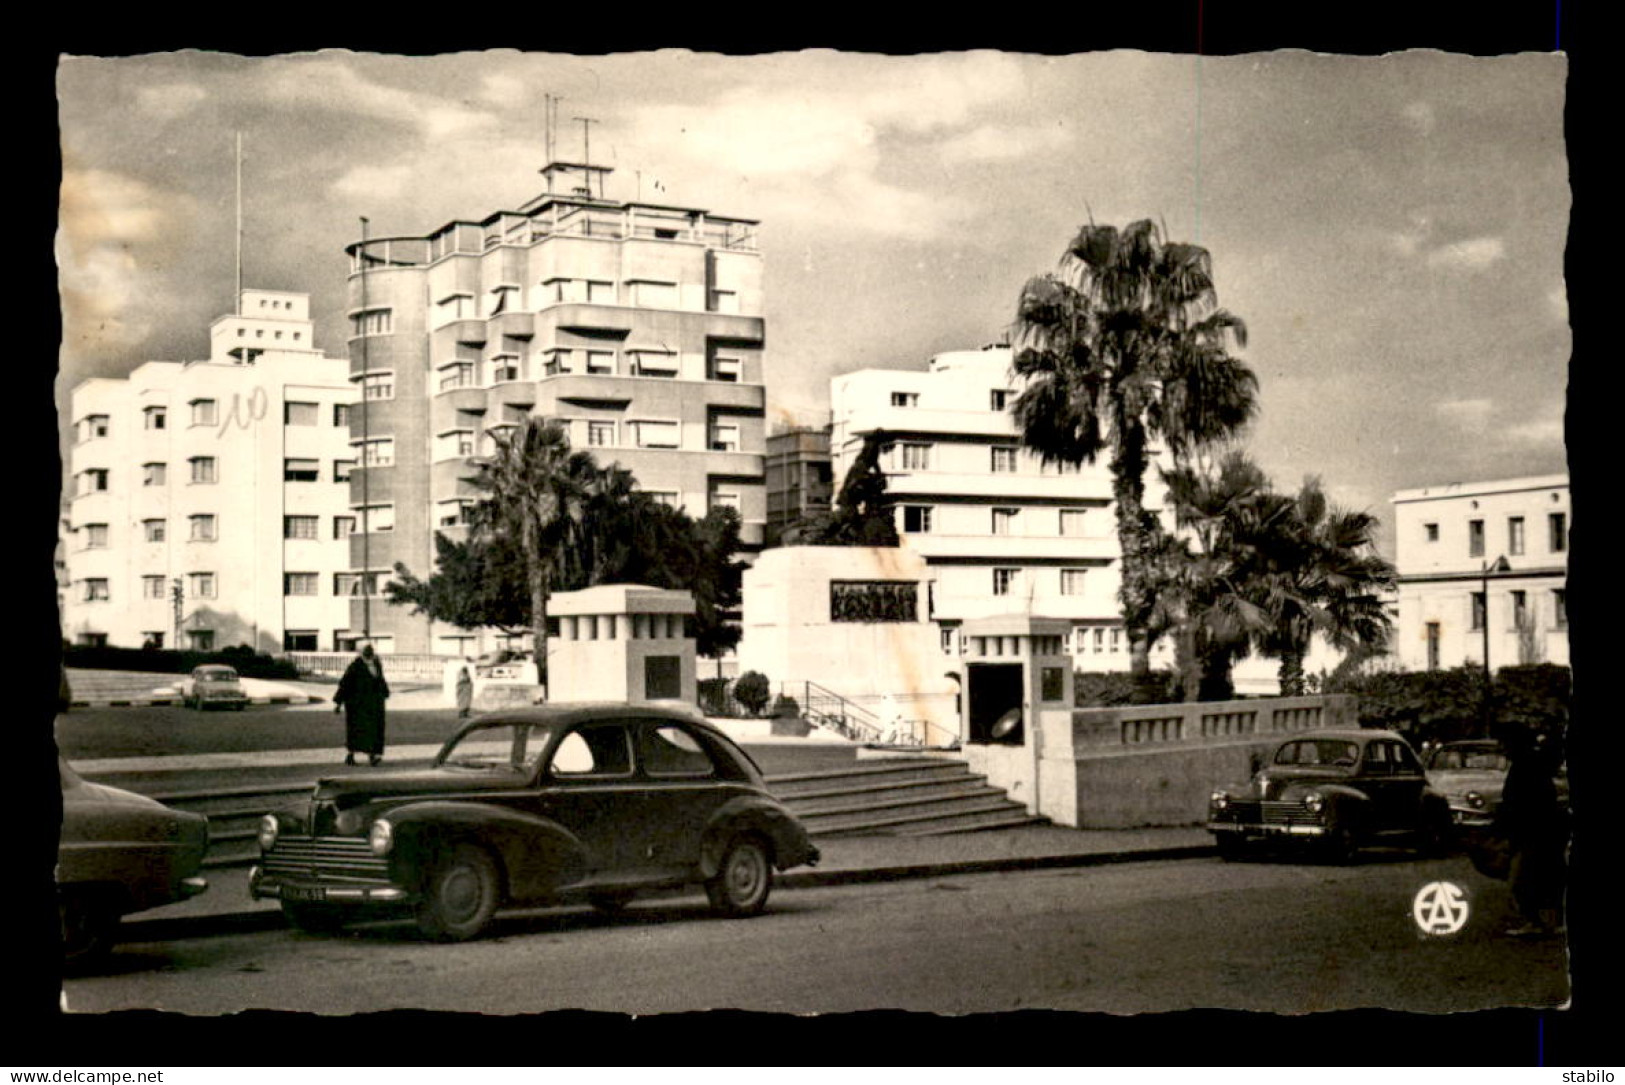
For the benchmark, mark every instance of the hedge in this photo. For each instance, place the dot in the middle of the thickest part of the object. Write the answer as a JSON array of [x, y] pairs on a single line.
[[248, 663]]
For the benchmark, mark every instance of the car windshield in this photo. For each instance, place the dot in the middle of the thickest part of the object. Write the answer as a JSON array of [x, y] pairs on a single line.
[[1318, 751], [218, 674], [1448, 759], [498, 747]]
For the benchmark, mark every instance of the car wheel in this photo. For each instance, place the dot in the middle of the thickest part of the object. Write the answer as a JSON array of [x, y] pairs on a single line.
[[459, 895], [1232, 846], [1340, 845], [89, 926], [743, 879], [313, 918], [611, 903]]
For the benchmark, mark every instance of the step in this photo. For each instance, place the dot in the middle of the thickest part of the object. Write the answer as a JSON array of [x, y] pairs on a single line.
[[897, 820], [923, 768], [880, 788], [1014, 818], [923, 795]]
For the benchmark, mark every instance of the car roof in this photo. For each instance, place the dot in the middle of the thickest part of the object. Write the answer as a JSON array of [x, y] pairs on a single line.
[[216, 668], [581, 711], [1347, 734], [1472, 744]]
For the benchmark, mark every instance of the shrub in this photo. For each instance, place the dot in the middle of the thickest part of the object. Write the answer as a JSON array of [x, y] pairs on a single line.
[[1109, 689], [248, 663], [1448, 705], [713, 695], [785, 706], [752, 690]]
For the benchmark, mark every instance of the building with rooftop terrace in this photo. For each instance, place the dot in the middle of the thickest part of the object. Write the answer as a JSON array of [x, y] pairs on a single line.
[[637, 325]]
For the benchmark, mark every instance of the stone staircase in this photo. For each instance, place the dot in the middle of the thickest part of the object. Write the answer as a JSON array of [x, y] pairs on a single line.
[[906, 796]]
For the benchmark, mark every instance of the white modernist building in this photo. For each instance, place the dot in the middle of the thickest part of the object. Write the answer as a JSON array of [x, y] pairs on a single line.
[[210, 505], [1483, 564], [999, 531]]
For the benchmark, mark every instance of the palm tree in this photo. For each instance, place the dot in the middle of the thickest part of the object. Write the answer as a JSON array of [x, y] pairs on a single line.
[[1324, 576], [1124, 347], [535, 487]]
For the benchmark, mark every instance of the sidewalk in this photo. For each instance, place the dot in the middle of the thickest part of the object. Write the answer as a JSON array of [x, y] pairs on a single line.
[[107, 689]]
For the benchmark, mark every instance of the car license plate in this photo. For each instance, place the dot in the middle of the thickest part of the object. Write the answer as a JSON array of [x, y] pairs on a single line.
[[303, 892]]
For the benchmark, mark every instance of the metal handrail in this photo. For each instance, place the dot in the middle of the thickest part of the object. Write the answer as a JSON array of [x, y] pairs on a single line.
[[830, 709]]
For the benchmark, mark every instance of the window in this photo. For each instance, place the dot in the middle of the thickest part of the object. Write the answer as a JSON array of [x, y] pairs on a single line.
[[949, 639], [378, 453], [377, 517], [356, 584], [724, 301], [502, 298], [725, 369], [1557, 525], [341, 414], [96, 590], [913, 457], [724, 437], [155, 417], [724, 499], [342, 469], [654, 434], [300, 414], [301, 640], [1117, 640], [1515, 534], [504, 367], [1475, 538], [152, 587], [916, 519], [1004, 460], [203, 412], [1072, 584], [593, 751], [662, 678], [203, 527], [300, 527], [203, 469], [653, 295], [153, 474], [93, 480], [1431, 532], [1004, 521], [671, 751], [154, 530], [600, 293], [95, 536], [1072, 521], [905, 399], [458, 512], [1478, 610], [653, 363], [668, 498], [299, 583], [454, 444], [92, 426], [200, 585], [456, 307], [1004, 581], [556, 362], [456, 375], [1520, 610], [1099, 639], [378, 386], [1560, 608], [999, 399], [601, 362], [372, 322], [301, 470], [343, 527], [202, 640], [601, 434]]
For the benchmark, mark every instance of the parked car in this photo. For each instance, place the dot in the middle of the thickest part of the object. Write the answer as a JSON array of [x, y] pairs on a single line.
[[530, 805], [1334, 791], [120, 852], [213, 685], [1470, 775]]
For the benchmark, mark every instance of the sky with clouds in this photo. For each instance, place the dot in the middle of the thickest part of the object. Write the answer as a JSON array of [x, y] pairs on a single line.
[[1390, 228]]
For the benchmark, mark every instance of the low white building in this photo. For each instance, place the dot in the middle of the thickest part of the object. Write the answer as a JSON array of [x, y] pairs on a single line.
[[1483, 565], [210, 501]]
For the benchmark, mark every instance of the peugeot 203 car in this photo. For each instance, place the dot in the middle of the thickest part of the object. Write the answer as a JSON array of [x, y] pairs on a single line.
[[213, 685], [1470, 775], [1334, 791], [535, 805], [118, 853]]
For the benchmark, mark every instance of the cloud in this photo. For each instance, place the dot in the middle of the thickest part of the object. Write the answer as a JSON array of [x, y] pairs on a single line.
[[372, 182], [502, 90], [1420, 116], [1471, 255], [1544, 430], [998, 143], [169, 100], [329, 84], [1471, 415]]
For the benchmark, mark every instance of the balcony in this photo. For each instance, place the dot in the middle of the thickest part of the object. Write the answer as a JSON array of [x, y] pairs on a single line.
[[1084, 550]]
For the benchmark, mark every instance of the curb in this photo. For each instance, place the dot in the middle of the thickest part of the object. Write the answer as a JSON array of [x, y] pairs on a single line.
[[152, 702], [266, 919]]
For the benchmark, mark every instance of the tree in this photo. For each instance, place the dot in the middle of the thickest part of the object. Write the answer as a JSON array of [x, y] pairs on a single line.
[[861, 516], [473, 585], [1124, 346]]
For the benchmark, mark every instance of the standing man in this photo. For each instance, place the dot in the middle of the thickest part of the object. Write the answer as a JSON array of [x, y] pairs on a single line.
[[465, 689], [1534, 823], [361, 696]]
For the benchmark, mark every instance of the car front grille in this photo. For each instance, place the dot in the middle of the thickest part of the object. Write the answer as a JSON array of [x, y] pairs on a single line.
[[324, 857], [1248, 812]]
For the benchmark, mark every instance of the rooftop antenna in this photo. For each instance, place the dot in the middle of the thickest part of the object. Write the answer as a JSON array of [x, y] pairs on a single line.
[[586, 153], [239, 305]]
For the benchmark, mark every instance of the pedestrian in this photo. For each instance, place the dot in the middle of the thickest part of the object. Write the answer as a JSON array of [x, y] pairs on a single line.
[[465, 689], [361, 696], [1532, 821]]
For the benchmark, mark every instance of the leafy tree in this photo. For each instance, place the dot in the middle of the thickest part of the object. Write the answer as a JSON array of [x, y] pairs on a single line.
[[473, 585], [752, 690], [1124, 346], [861, 516]]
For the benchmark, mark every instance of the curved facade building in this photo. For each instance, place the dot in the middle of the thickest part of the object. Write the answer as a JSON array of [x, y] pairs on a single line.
[[636, 325]]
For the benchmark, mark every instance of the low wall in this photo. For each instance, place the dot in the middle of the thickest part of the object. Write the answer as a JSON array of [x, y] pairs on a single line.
[[1127, 789]]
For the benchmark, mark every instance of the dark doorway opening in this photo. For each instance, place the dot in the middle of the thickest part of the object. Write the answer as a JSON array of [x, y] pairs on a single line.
[[995, 692]]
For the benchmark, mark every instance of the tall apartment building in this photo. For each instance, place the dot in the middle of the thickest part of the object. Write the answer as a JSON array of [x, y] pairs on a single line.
[[799, 478], [636, 324], [1000, 532], [1483, 564], [209, 500]]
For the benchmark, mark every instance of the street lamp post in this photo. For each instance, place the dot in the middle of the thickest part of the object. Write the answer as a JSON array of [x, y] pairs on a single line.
[[1498, 566]]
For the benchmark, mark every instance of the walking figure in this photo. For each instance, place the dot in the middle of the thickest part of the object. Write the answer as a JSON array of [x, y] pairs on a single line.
[[361, 696], [1535, 827], [465, 689]]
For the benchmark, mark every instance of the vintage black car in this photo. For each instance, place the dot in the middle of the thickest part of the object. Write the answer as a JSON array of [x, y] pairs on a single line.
[[532, 805], [1334, 791]]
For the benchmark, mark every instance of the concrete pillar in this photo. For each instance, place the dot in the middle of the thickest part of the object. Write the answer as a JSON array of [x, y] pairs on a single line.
[[623, 642], [1017, 701]]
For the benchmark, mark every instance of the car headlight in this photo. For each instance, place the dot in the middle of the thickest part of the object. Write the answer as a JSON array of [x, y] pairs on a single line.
[[382, 837], [1475, 800], [1314, 802], [348, 822], [1219, 799], [268, 830]]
